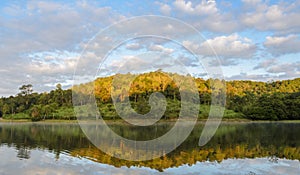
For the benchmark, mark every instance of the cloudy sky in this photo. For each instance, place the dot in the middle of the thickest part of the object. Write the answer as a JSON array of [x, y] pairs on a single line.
[[41, 41]]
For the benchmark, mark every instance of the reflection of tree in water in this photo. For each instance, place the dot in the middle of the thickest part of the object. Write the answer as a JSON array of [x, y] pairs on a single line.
[[23, 152], [55, 138], [231, 141]]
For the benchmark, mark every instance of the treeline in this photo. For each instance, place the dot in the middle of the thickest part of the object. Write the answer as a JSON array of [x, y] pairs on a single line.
[[278, 100], [56, 104], [274, 106]]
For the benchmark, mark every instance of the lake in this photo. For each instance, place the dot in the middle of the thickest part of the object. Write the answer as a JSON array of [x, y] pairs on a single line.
[[237, 148]]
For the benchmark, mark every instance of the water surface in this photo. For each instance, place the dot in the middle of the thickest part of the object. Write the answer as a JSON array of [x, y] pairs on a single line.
[[237, 148]]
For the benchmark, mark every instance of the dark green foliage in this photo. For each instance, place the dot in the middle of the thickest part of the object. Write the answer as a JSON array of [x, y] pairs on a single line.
[[34, 106], [276, 106]]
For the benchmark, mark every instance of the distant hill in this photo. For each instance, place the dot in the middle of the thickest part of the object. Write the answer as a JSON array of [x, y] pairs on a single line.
[[161, 81]]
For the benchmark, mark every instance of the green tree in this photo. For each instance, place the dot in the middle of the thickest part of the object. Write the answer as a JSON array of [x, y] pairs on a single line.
[[26, 89], [36, 113]]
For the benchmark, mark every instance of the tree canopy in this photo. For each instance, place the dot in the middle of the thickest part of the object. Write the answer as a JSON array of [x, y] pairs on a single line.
[[276, 100]]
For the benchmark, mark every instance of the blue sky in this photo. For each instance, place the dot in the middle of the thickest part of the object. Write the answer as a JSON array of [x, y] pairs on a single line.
[[41, 41]]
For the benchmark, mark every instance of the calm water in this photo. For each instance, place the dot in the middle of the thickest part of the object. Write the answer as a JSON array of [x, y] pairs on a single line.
[[247, 148]]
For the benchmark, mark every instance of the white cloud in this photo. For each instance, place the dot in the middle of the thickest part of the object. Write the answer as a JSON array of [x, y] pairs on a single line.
[[46, 27], [128, 63], [164, 8], [184, 6], [140, 63], [206, 16], [190, 61], [271, 69], [232, 46], [281, 17], [133, 46], [56, 27], [265, 64], [278, 45], [203, 8], [152, 26], [160, 48], [53, 63], [287, 68]]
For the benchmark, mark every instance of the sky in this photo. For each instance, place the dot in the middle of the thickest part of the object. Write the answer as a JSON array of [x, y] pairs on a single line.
[[44, 42]]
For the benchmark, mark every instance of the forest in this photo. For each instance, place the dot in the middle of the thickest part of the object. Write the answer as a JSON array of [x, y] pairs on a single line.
[[253, 100]]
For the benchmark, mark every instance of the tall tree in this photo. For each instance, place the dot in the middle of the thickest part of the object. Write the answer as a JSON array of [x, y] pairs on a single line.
[[26, 89]]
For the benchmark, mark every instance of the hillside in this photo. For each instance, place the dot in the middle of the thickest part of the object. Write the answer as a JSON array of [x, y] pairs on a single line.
[[278, 100]]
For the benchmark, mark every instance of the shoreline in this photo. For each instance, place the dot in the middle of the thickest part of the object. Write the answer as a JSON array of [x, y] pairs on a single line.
[[119, 121]]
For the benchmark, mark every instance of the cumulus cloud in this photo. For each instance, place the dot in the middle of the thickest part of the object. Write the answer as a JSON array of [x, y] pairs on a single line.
[[279, 45], [164, 8], [40, 40], [265, 64], [205, 15], [274, 71], [128, 63], [160, 48], [282, 17], [53, 62], [203, 8], [188, 61], [232, 46], [140, 63], [45, 27], [151, 61], [287, 68]]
